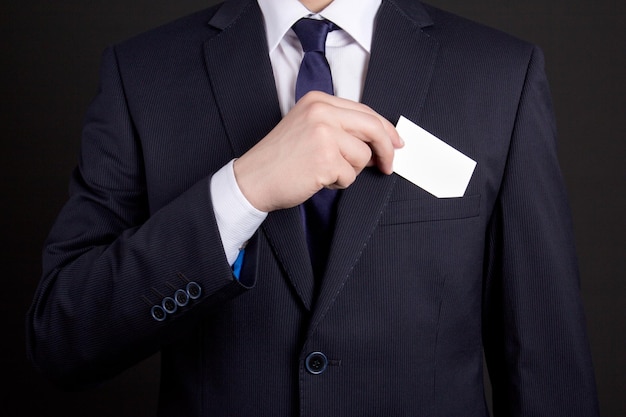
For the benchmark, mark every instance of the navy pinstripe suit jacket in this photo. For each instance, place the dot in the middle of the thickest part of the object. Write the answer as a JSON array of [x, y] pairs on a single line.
[[416, 287]]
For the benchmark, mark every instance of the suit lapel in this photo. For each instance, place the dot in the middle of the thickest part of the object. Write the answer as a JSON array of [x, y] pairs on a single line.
[[400, 70], [243, 84], [285, 233], [241, 75]]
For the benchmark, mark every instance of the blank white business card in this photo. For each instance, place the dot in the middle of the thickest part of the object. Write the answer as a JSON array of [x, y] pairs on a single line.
[[430, 163]]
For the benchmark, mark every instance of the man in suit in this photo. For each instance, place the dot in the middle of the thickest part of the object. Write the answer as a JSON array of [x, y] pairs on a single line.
[[184, 230]]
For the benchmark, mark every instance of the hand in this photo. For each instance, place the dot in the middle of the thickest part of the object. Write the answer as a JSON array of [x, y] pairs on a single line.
[[324, 141]]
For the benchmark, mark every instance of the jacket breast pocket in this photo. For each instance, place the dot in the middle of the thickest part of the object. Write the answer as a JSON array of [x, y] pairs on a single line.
[[428, 209]]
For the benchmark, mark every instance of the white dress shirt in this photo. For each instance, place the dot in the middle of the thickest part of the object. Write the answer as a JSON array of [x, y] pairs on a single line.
[[347, 52]]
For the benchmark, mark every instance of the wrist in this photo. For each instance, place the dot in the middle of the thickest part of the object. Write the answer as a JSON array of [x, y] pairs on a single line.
[[249, 187]]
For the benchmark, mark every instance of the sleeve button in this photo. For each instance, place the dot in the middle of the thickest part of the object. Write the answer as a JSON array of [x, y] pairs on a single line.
[[181, 297], [194, 290], [158, 313], [169, 305]]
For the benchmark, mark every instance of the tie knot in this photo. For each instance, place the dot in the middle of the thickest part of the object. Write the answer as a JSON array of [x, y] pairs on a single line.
[[312, 33]]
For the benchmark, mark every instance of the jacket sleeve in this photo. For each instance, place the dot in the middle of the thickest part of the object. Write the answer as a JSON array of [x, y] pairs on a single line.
[[109, 259], [533, 324]]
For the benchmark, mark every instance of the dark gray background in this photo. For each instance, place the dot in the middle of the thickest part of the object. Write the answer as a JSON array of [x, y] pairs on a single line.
[[50, 53]]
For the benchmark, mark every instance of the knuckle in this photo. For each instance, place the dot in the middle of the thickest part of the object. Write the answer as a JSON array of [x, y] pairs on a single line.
[[313, 95], [366, 153], [346, 178], [326, 157], [361, 156], [321, 133], [317, 110]]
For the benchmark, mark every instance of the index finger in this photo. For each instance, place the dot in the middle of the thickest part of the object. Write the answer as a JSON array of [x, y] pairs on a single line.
[[373, 129], [353, 105]]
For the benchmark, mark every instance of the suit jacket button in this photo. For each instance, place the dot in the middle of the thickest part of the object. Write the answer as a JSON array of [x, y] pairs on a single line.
[[169, 305], [158, 313], [316, 363], [194, 290], [181, 297]]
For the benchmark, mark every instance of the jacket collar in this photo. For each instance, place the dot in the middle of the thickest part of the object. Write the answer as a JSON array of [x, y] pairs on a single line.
[[232, 9]]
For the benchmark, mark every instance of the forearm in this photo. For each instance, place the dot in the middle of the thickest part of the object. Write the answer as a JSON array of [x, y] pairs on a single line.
[[92, 313]]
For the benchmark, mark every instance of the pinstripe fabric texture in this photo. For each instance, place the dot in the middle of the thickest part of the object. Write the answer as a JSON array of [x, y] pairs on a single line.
[[416, 287]]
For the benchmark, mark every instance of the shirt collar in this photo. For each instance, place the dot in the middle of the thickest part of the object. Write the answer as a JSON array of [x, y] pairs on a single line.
[[355, 17]]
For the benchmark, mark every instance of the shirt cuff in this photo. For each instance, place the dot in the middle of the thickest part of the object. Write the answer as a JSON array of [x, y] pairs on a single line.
[[236, 218]]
